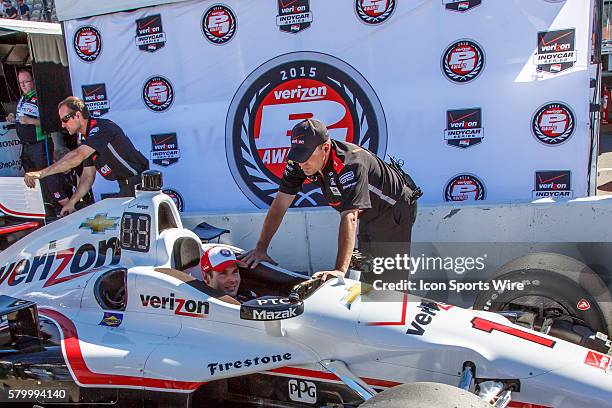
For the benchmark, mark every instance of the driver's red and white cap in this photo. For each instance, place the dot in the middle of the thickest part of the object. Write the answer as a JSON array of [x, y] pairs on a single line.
[[217, 259]]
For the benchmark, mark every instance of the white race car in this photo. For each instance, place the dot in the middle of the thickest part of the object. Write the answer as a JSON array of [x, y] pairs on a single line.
[[98, 307]]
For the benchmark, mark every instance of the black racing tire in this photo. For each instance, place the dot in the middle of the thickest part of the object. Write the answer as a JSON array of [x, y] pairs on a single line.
[[557, 278], [425, 395]]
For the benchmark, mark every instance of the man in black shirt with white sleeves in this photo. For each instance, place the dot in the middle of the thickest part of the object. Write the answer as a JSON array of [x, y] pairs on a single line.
[[104, 148], [356, 183]]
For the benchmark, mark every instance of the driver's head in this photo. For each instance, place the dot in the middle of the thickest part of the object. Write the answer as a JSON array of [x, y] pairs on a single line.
[[220, 270]]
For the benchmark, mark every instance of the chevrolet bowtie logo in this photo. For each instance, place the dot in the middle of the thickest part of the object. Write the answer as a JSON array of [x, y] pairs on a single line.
[[100, 223]]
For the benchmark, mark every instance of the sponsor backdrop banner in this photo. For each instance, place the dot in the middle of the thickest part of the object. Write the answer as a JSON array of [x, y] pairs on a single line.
[[10, 152], [481, 99]]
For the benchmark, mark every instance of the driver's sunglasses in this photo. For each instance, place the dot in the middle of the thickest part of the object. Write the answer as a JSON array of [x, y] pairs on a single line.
[[69, 116]]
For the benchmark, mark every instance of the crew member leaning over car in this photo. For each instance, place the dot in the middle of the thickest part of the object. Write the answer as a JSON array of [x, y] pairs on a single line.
[[357, 184], [104, 148], [219, 270]]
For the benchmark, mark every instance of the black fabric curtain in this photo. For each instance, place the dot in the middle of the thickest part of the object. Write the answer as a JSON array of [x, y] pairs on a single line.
[[52, 86]]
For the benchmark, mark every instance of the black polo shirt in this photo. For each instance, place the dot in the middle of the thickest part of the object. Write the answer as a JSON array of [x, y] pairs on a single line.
[[353, 178], [115, 158]]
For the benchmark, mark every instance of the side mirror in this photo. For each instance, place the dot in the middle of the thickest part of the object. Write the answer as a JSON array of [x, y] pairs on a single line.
[[270, 308]]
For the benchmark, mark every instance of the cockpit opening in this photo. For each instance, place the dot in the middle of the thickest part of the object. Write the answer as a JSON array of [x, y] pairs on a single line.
[[111, 290]]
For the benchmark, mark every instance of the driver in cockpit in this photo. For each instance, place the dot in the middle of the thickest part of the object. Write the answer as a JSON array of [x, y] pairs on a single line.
[[220, 271]]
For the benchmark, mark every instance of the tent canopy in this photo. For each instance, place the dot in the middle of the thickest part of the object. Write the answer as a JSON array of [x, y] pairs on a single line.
[[8, 27], [73, 9]]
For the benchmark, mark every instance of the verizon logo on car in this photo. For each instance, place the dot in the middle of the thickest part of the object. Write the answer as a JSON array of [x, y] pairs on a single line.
[[428, 312], [180, 306]]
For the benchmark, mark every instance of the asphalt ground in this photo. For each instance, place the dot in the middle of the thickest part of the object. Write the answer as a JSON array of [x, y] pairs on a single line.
[[604, 162]]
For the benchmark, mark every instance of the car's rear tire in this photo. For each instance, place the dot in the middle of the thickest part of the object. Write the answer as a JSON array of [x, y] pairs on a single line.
[[425, 395], [552, 279]]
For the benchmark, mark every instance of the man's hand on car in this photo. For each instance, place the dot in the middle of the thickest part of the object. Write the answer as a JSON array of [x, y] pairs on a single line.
[[67, 209], [30, 178], [10, 118], [325, 275], [253, 257]]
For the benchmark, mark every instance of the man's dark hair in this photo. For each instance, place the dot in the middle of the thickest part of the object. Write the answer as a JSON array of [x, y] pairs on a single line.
[[76, 105]]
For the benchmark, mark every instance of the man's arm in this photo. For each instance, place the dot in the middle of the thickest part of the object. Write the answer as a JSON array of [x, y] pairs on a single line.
[[346, 243], [85, 182], [346, 239], [274, 217], [69, 161], [26, 120]]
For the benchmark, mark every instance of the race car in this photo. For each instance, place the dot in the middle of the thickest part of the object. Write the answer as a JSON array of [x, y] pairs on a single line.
[[103, 306], [21, 210]]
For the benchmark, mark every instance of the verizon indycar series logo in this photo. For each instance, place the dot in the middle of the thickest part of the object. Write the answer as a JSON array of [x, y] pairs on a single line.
[[219, 24], [464, 127], [464, 187], [461, 5], [87, 43], [61, 266], [556, 50], [463, 61], [96, 99], [374, 11], [553, 183], [553, 123], [293, 15], [179, 306], [164, 149], [176, 197], [150, 35], [158, 94], [281, 93]]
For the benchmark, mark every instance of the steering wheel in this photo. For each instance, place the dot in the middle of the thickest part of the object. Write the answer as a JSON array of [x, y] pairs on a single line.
[[116, 300], [306, 288]]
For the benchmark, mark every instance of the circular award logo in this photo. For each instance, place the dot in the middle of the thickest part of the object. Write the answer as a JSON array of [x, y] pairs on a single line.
[[281, 93], [87, 43], [219, 24], [463, 61], [464, 187], [374, 12], [553, 123], [158, 94], [176, 197]]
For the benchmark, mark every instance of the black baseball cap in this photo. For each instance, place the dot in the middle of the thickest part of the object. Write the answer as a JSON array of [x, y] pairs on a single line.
[[306, 136]]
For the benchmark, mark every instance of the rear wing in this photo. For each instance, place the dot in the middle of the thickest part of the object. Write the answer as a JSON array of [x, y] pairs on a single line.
[[17, 200]]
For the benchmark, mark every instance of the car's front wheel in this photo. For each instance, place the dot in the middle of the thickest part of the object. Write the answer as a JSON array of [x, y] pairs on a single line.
[[425, 395]]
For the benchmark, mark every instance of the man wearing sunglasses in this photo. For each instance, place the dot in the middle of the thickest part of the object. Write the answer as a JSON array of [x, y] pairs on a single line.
[[104, 148]]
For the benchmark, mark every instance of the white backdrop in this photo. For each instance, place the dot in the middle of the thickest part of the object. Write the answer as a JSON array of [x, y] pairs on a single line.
[[381, 84], [10, 152]]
